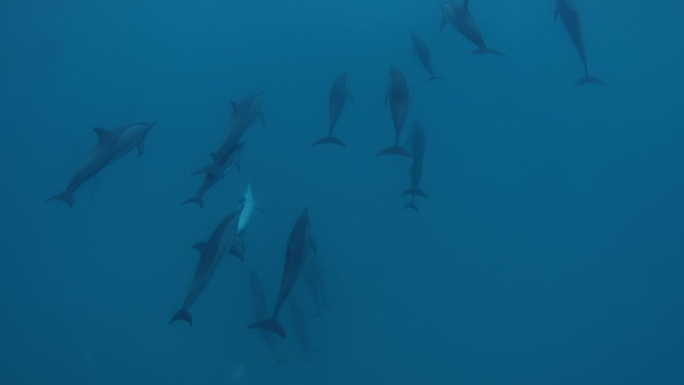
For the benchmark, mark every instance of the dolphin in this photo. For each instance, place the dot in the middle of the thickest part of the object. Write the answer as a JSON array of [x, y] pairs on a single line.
[[460, 19], [417, 141], [248, 206], [297, 246], [111, 145], [570, 18], [211, 253], [398, 98], [260, 312], [244, 114], [315, 285], [420, 49], [215, 172], [339, 93], [301, 330]]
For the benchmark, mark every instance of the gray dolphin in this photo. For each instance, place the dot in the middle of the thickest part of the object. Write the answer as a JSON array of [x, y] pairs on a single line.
[[261, 312], [212, 251], [339, 93], [297, 246], [421, 50], [460, 19], [314, 281], [111, 145], [301, 329], [417, 142], [244, 114], [217, 171], [570, 18], [398, 98]]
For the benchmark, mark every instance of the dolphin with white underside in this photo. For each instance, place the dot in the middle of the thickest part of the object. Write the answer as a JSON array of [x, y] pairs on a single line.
[[458, 16], [111, 145], [212, 251], [398, 98], [570, 18], [339, 94], [299, 243], [417, 143]]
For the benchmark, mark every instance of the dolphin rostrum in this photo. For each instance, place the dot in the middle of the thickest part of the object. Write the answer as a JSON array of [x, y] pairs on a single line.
[[570, 18], [339, 93], [211, 253], [460, 19], [417, 142], [398, 98], [111, 145], [297, 246], [215, 172], [421, 50]]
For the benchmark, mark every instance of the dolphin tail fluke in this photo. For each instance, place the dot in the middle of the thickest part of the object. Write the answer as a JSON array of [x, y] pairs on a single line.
[[396, 150], [269, 324], [411, 206], [329, 139], [197, 200], [415, 191], [485, 50], [65, 197], [183, 315], [587, 79]]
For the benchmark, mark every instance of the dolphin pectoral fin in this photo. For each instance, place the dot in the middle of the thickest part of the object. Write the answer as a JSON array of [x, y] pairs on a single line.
[[210, 170], [269, 324], [183, 315], [65, 197], [485, 50], [411, 206], [238, 248], [201, 247], [587, 79], [141, 149], [196, 200], [103, 135], [329, 139], [396, 150]]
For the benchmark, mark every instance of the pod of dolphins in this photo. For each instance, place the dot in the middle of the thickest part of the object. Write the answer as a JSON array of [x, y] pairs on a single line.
[[227, 237]]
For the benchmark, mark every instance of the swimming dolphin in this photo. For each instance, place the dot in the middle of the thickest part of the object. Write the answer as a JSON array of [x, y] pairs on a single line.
[[297, 246], [398, 98], [111, 145], [248, 206], [417, 141], [211, 253], [215, 172], [301, 329], [244, 114], [315, 284], [420, 49], [260, 312], [339, 93], [570, 18], [460, 19]]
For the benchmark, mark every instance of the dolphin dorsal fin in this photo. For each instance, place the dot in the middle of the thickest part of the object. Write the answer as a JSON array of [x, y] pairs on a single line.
[[103, 135]]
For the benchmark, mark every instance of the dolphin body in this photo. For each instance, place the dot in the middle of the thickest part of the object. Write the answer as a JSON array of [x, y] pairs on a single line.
[[417, 142], [297, 246], [460, 19], [421, 50], [248, 206], [398, 98], [213, 173], [339, 94], [570, 18], [111, 145], [211, 253], [260, 312]]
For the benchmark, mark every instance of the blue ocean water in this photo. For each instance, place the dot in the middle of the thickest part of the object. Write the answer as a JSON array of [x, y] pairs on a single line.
[[549, 249]]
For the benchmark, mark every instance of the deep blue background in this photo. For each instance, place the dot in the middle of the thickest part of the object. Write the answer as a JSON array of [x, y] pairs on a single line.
[[549, 250]]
